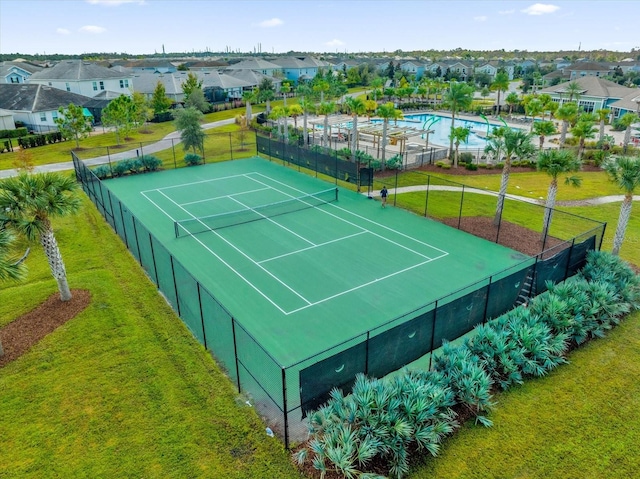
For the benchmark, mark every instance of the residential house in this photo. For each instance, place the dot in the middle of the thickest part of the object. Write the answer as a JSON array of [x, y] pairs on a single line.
[[299, 69], [83, 78], [153, 65], [583, 69], [493, 67], [414, 68], [595, 93], [37, 105], [17, 71], [257, 64]]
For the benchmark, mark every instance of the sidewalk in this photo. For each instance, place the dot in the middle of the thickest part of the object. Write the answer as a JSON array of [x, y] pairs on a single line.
[[100, 160]]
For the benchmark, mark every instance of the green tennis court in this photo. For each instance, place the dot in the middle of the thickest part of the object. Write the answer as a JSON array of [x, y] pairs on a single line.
[[303, 279]]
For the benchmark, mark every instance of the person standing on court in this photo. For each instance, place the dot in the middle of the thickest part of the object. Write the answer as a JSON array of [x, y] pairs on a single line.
[[383, 195]]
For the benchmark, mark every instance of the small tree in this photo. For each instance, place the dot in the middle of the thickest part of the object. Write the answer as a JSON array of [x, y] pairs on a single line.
[[627, 120], [583, 129], [459, 134], [624, 171], [543, 129], [191, 133], [121, 114], [160, 102], [72, 123], [198, 101], [27, 204], [190, 84], [142, 110], [567, 113]]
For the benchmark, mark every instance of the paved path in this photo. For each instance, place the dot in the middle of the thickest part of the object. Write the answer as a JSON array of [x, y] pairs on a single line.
[[587, 202], [148, 149]]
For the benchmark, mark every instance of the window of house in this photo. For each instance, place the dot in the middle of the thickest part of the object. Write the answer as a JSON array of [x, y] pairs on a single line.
[[101, 85], [124, 83], [67, 86], [50, 84], [95, 86], [43, 116], [54, 115]]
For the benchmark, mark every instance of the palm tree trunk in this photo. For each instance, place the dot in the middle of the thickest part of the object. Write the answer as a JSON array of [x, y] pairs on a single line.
[[453, 119], [627, 137], [623, 221], [601, 137], [325, 132], [305, 132], [563, 132], [51, 250], [248, 114], [548, 209], [504, 181], [384, 142], [354, 137]]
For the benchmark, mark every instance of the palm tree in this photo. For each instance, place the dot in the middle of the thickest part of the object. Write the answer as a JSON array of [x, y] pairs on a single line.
[[603, 114], [495, 145], [568, 113], [248, 97], [500, 84], [543, 129], [284, 89], [266, 93], [356, 106], [624, 171], [307, 107], [556, 163], [10, 268], [295, 111], [460, 134], [376, 84], [512, 100], [574, 90], [326, 109], [27, 204], [533, 108], [386, 112], [458, 97], [516, 143], [627, 120], [276, 115], [548, 105], [583, 129]]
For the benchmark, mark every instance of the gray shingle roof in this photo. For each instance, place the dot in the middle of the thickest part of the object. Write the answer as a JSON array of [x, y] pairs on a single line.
[[35, 98], [77, 70], [593, 86]]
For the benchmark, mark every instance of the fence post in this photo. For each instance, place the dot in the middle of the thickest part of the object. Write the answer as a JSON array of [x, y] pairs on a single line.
[[395, 188], [204, 332], [460, 212], [284, 408], [141, 150], [126, 241], [231, 145], [135, 233], [175, 284], [153, 258], [173, 149], [235, 352], [426, 201], [109, 161], [366, 354], [433, 332], [566, 270], [486, 303]]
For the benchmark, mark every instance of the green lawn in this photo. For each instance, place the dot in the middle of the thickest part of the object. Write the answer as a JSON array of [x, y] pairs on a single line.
[[122, 390]]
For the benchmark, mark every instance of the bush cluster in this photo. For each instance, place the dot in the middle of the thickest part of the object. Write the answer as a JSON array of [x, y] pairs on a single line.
[[33, 141], [17, 133], [192, 159], [383, 420], [128, 166]]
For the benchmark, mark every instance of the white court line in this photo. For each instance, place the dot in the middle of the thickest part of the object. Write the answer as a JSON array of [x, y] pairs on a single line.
[[224, 196], [312, 247], [274, 222], [243, 253], [194, 183], [360, 227], [219, 258]]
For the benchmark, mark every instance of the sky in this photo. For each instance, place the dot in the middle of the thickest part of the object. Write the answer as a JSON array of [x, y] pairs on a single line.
[[138, 27]]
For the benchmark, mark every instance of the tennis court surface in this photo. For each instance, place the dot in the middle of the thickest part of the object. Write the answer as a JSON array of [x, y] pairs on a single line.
[[309, 271]]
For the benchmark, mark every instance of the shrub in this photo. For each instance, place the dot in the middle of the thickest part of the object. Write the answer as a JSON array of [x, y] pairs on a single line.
[[471, 166], [17, 133], [103, 171], [192, 159], [121, 168], [344, 153], [150, 162], [394, 163], [465, 157], [441, 163]]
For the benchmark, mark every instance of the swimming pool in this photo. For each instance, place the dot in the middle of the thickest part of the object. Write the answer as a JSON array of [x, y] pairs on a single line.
[[441, 126]]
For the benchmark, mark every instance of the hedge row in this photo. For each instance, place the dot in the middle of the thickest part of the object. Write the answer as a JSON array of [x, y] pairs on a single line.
[[17, 133], [40, 140], [383, 420]]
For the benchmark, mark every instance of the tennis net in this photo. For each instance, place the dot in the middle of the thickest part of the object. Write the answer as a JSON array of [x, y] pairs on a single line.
[[202, 224]]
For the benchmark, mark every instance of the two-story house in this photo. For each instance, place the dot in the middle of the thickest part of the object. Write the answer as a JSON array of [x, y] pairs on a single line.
[[17, 71]]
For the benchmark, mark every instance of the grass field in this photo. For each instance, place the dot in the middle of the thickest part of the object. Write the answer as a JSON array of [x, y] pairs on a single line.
[[123, 390]]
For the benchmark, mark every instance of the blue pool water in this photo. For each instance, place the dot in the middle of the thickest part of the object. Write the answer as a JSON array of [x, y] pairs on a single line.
[[441, 126]]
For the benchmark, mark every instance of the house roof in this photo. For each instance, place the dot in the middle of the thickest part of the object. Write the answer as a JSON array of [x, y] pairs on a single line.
[[629, 102], [254, 64], [36, 98], [24, 65], [252, 78], [592, 86], [146, 82], [588, 66], [77, 70]]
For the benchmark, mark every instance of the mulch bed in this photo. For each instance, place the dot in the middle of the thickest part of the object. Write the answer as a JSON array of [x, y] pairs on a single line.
[[20, 335]]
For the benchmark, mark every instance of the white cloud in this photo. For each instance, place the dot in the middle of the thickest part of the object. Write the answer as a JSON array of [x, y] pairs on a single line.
[[113, 3], [540, 9], [92, 29], [274, 22], [506, 12], [335, 43], [482, 18], [62, 31]]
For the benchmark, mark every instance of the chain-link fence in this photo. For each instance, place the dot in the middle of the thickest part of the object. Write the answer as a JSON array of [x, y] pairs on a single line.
[[285, 393]]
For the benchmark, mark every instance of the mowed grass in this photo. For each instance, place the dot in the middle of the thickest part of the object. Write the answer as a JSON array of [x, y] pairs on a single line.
[[123, 389]]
